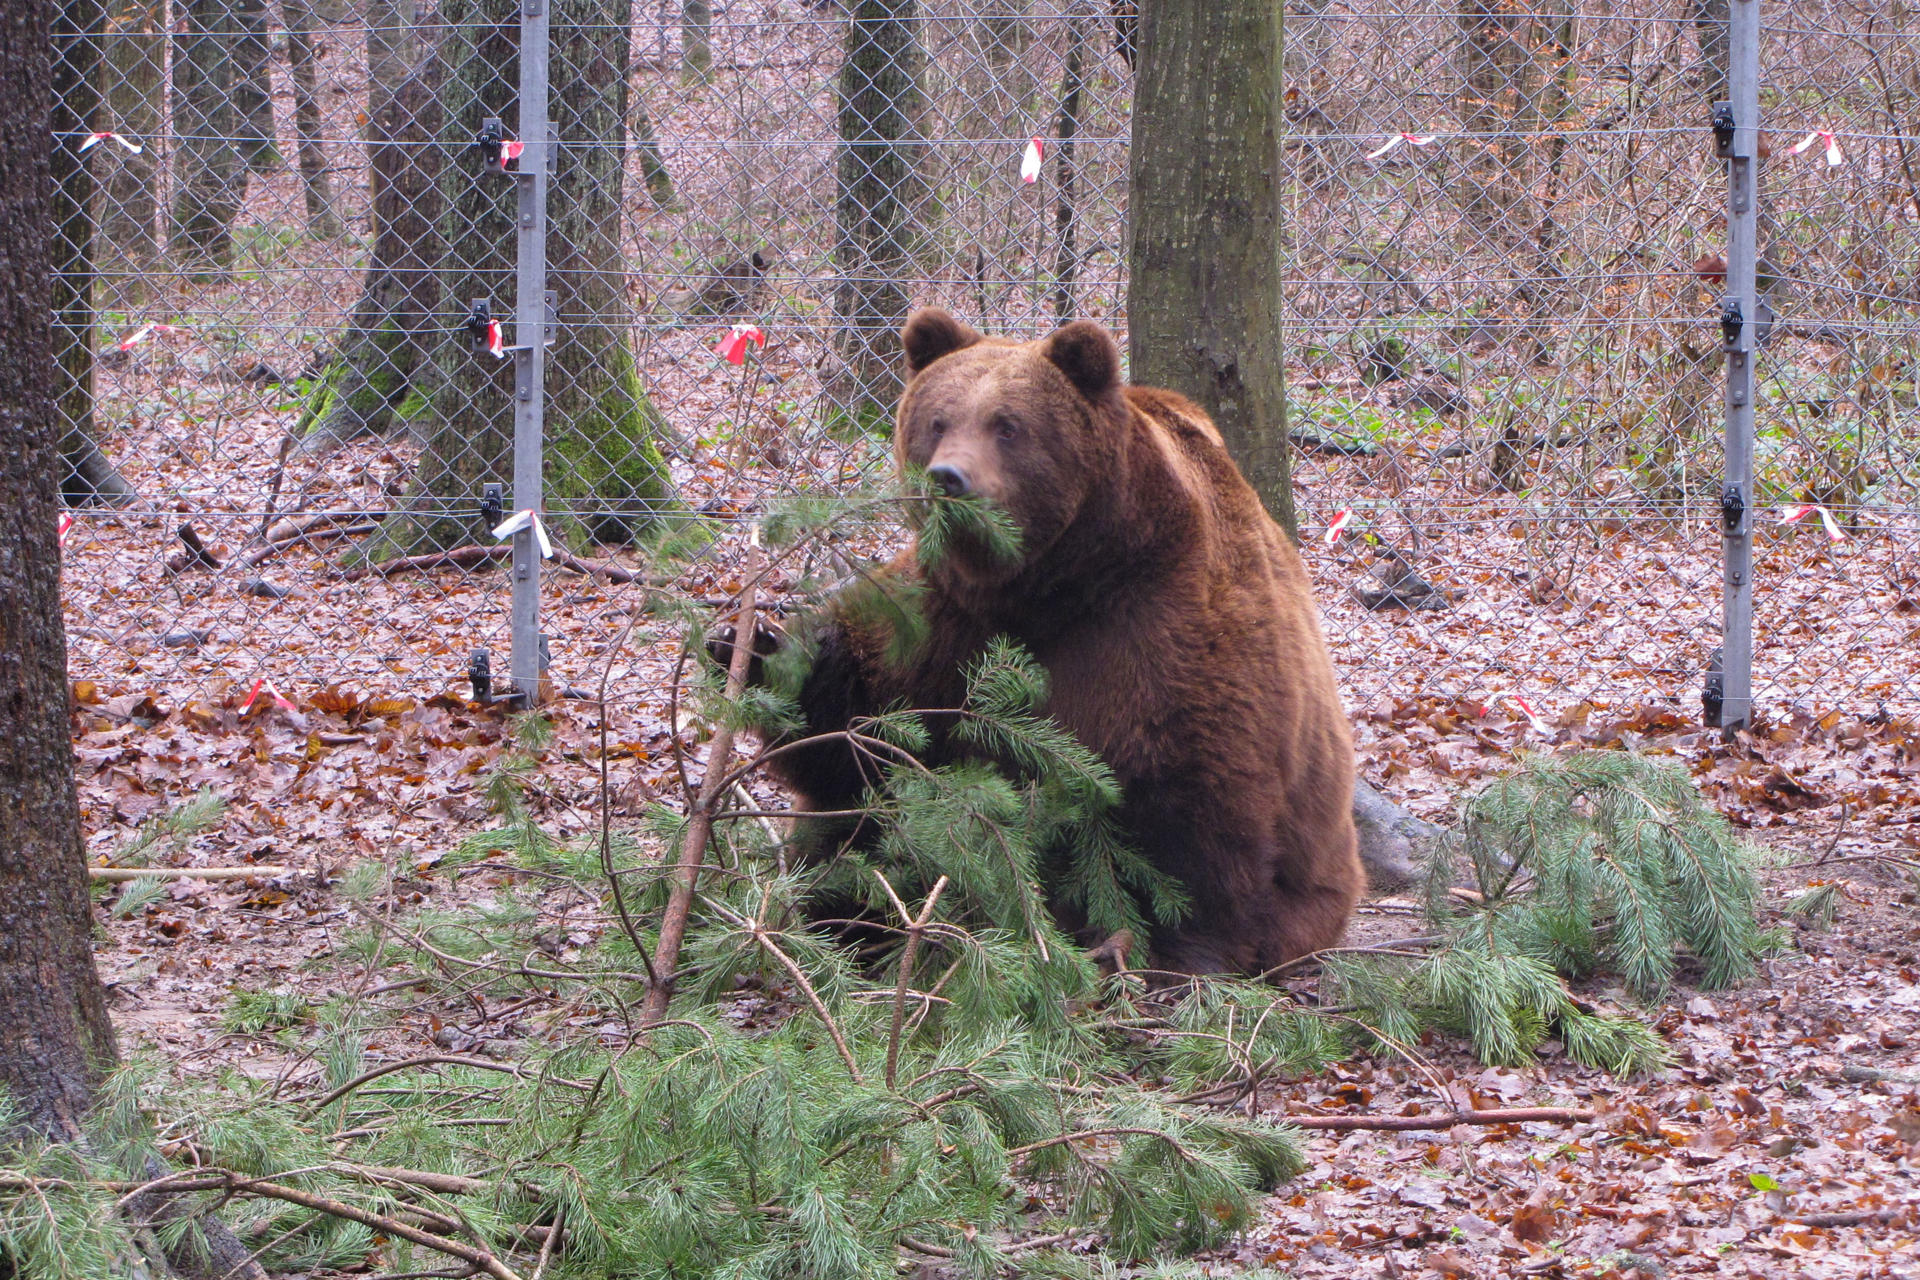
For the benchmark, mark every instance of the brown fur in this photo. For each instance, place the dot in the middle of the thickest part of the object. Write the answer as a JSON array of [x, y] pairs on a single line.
[[1173, 617]]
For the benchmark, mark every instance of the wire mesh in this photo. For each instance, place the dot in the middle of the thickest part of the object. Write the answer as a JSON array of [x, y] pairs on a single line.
[[1502, 229]]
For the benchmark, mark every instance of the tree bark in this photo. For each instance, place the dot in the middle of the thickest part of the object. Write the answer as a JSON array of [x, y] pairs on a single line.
[[253, 85], [881, 107], [1066, 214], [602, 462], [54, 1011], [1203, 305], [696, 41], [133, 65], [1495, 73], [1710, 18], [370, 384], [304, 24], [87, 477], [211, 171]]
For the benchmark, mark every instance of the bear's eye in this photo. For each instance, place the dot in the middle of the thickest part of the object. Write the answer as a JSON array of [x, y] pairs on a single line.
[[939, 427], [1006, 428]]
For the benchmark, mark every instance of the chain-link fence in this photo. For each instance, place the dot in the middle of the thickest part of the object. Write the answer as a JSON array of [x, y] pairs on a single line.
[[1507, 248]]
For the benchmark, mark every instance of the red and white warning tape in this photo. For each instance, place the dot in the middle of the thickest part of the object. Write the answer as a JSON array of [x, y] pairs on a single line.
[[528, 519], [1030, 159], [93, 140], [66, 526], [1524, 707], [511, 151], [1396, 140], [254, 694], [1338, 525], [1795, 514], [144, 332], [733, 347], [494, 343], [1834, 158]]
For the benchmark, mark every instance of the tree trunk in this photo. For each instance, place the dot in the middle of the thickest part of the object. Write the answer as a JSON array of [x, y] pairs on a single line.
[[602, 462], [1066, 214], [211, 179], [1203, 304], [253, 85], [696, 41], [653, 165], [133, 63], [369, 387], [605, 461], [1710, 19], [88, 477], [304, 25], [881, 106], [51, 1003], [393, 54], [1494, 88]]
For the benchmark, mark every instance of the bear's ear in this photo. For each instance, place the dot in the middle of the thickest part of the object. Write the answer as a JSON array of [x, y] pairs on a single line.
[[932, 332], [1087, 355]]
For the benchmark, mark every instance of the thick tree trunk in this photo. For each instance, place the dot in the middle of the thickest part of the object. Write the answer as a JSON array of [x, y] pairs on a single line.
[[369, 387], [1066, 213], [253, 85], [304, 27], [1203, 304], [1710, 19], [881, 107], [696, 41], [54, 1012], [211, 171], [1495, 74], [653, 165], [133, 65], [602, 462], [88, 477], [606, 463]]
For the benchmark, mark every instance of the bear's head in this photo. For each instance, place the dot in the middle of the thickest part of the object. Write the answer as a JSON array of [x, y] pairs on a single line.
[[1029, 427]]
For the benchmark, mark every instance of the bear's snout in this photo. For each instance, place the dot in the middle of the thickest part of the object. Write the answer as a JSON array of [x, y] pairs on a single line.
[[949, 479]]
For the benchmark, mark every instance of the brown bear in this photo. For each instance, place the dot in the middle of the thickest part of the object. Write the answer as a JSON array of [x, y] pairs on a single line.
[[1173, 617]]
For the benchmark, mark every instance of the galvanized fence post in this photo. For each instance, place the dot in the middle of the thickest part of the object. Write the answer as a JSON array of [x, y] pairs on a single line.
[[1743, 323], [532, 331]]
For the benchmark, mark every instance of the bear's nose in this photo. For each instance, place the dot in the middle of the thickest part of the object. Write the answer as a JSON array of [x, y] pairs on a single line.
[[950, 480]]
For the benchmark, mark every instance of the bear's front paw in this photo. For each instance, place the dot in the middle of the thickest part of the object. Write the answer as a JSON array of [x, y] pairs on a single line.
[[768, 639]]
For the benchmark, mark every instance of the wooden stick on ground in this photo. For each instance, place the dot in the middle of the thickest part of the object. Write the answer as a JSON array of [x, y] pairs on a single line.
[[117, 874], [1445, 1119], [714, 785]]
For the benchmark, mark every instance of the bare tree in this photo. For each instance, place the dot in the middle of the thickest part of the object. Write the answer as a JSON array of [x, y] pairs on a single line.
[[304, 20], [881, 107], [601, 428], [1203, 303], [211, 168], [51, 1003], [132, 73], [89, 476]]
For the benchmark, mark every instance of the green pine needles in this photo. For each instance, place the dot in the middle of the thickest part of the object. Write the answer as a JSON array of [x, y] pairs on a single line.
[[1601, 861]]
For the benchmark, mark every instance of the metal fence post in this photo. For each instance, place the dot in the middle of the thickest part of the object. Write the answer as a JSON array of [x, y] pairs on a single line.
[[530, 318], [1736, 127]]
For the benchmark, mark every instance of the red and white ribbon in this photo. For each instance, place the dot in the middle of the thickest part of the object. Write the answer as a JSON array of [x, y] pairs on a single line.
[[1834, 158], [1524, 707], [1338, 525], [66, 526], [510, 151], [253, 696], [494, 343], [1795, 514], [733, 347], [1030, 159], [144, 332], [528, 519], [93, 140], [1396, 140]]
